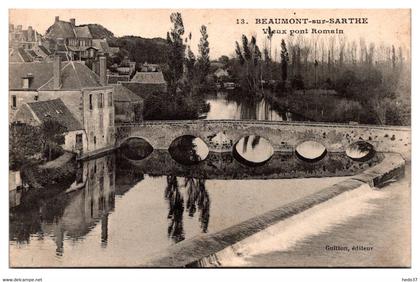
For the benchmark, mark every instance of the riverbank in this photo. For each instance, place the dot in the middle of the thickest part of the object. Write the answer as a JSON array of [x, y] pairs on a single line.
[[321, 107], [48, 179]]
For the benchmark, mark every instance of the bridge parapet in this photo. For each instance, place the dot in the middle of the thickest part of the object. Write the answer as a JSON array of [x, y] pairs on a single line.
[[283, 136]]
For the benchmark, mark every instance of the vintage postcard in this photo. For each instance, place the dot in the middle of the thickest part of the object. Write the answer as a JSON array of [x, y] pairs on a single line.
[[209, 138]]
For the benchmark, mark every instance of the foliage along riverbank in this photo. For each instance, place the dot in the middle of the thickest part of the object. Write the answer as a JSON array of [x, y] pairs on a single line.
[[49, 179]]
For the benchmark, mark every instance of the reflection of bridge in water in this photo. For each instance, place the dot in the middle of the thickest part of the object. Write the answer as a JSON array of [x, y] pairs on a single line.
[[225, 166], [283, 136]]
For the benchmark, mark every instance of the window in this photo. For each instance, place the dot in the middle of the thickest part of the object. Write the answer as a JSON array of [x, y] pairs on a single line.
[[79, 139], [36, 98], [101, 100], [101, 122], [25, 83], [14, 101], [94, 140], [90, 102], [110, 99]]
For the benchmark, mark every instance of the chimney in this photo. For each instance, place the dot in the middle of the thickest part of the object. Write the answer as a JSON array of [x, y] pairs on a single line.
[[11, 28], [19, 28], [57, 72], [30, 33], [57, 18], [73, 22], [102, 71]]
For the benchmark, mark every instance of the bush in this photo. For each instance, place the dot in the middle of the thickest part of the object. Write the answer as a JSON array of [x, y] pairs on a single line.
[[297, 82]]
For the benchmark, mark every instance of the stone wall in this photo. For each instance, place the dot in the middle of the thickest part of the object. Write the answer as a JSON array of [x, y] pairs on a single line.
[[98, 119], [283, 136]]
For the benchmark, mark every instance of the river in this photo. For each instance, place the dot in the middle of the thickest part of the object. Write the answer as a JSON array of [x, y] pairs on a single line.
[[132, 207]]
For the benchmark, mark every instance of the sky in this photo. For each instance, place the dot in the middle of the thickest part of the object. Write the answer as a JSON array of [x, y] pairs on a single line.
[[384, 26]]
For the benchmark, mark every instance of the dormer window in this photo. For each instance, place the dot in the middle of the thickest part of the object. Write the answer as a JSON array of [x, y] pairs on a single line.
[[26, 80]]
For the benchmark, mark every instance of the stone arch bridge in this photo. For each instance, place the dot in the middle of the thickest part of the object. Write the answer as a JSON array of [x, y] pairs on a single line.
[[221, 135]]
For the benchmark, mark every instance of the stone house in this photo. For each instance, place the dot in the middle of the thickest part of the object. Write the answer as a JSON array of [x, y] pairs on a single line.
[[20, 38], [148, 80], [35, 113], [74, 41], [128, 106], [85, 94]]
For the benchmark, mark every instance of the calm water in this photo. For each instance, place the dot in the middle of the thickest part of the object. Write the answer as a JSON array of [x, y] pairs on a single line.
[[223, 106], [140, 201], [121, 216]]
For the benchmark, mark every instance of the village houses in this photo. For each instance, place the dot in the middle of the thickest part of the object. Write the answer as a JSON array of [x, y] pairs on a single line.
[[26, 45], [86, 95]]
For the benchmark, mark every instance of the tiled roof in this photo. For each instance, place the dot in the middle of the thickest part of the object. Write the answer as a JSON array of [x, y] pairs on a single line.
[[149, 78], [101, 45], [45, 50], [41, 71], [123, 94], [25, 56], [75, 76], [82, 32], [32, 53], [60, 29], [55, 110], [113, 79], [144, 90]]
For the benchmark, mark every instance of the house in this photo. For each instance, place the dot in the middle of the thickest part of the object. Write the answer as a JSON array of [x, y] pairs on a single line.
[[25, 45], [219, 73], [85, 94], [147, 81], [128, 106], [20, 38], [35, 113], [76, 42]]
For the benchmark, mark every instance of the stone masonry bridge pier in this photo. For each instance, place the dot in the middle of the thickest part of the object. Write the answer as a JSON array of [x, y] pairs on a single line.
[[222, 135]]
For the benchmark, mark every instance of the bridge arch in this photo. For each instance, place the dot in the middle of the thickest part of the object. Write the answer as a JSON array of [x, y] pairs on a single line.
[[284, 136]]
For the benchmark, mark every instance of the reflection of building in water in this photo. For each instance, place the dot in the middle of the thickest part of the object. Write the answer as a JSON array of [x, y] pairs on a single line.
[[88, 206], [196, 197]]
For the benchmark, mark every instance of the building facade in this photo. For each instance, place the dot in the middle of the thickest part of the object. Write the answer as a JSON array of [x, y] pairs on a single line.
[[83, 92]]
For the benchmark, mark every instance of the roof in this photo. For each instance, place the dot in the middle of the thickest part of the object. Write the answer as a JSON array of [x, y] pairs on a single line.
[[113, 79], [63, 29], [123, 94], [74, 76], [55, 110], [144, 90], [101, 45], [149, 78], [60, 29], [42, 72], [32, 53], [25, 56], [45, 50], [82, 32], [221, 72]]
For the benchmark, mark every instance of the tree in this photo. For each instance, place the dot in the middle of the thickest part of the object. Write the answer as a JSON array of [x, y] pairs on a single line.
[[249, 57], [176, 53], [284, 55], [51, 136], [190, 61], [24, 144], [204, 57], [224, 60]]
